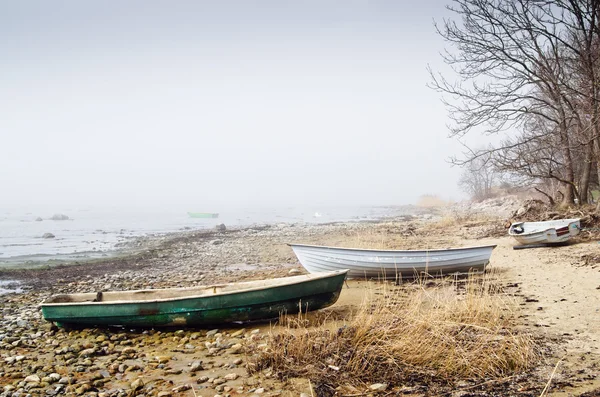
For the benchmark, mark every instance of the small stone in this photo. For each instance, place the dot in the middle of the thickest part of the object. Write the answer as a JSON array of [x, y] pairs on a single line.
[[293, 272], [181, 388], [212, 351], [238, 333], [202, 379], [32, 378], [87, 352], [196, 366], [232, 376], [211, 332], [260, 390], [128, 350], [137, 384], [236, 349], [164, 394], [219, 381], [238, 361], [48, 235], [83, 388]]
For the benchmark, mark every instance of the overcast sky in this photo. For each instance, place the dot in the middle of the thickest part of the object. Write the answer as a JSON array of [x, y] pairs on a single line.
[[211, 104]]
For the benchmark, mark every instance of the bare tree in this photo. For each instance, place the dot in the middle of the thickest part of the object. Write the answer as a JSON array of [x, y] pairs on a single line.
[[478, 178], [520, 67]]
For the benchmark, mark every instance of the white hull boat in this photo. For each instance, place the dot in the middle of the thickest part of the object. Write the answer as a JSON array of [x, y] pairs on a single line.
[[557, 231], [368, 263]]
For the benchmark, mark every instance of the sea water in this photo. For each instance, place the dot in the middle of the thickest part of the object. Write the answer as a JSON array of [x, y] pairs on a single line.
[[94, 233]]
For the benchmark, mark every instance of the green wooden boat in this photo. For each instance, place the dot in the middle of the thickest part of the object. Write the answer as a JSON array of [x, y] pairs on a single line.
[[197, 306], [203, 215]]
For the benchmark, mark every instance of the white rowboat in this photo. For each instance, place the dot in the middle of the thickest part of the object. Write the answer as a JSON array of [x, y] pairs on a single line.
[[557, 231], [368, 263]]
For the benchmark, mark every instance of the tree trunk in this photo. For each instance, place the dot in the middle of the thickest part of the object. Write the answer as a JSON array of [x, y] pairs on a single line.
[[595, 114], [569, 185], [586, 174], [597, 140]]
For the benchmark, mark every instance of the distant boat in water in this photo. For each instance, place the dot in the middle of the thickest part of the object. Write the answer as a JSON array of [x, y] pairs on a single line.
[[203, 215]]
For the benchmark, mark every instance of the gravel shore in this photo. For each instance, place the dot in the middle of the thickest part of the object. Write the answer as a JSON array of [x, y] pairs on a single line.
[[38, 359]]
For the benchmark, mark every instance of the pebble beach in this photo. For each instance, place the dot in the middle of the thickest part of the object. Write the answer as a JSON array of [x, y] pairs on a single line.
[[39, 359]]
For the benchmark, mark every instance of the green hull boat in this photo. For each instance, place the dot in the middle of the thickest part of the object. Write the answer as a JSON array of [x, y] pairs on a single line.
[[202, 215], [197, 306]]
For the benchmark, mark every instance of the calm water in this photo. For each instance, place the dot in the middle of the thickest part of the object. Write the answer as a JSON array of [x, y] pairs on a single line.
[[9, 286], [94, 233]]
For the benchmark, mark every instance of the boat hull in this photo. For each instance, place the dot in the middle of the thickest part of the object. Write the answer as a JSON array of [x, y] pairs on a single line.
[[301, 293], [393, 263], [551, 232], [202, 215]]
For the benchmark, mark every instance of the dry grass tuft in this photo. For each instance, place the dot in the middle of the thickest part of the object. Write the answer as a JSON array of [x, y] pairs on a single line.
[[408, 335], [432, 201]]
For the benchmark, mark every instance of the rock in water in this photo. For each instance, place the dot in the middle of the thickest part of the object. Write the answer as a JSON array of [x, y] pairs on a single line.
[[38, 219], [59, 217], [48, 235]]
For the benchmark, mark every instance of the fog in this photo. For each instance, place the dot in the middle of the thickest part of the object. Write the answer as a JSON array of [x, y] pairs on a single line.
[[203, 104]]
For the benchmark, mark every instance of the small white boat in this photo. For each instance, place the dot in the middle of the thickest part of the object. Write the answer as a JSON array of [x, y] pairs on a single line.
[[368, 263], [557, 231]]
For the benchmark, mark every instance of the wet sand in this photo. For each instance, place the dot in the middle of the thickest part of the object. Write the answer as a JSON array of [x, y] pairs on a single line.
[[556, 291]]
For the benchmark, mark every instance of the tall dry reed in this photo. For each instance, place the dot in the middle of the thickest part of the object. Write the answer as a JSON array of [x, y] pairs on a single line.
[[408, 334]]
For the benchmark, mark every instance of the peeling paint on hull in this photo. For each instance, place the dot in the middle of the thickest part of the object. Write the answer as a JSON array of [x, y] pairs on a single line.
[[259, 304]]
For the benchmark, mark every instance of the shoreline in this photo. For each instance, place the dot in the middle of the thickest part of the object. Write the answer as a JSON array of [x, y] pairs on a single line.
[[135, 245], [98, 233], [560, 281]]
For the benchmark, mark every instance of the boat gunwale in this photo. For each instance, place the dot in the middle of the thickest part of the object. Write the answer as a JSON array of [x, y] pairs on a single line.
[[312, 277], [492, 246]]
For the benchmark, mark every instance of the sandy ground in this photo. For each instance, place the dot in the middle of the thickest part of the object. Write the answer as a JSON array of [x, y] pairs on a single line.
[[556, 291], [562, 298], [557, 288]]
